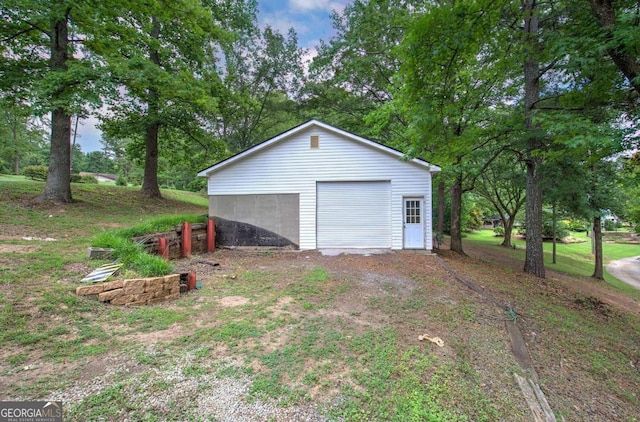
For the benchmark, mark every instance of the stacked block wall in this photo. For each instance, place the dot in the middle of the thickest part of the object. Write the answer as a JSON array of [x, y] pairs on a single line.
[[135, 291]]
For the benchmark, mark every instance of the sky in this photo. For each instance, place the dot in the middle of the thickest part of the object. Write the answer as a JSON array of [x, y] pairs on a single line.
[[311, 20]]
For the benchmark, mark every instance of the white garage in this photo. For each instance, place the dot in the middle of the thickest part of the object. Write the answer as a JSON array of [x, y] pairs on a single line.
[[354, 215], [317, 186]]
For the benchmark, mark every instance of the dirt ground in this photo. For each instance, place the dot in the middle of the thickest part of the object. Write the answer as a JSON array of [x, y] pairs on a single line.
[[411, 293]]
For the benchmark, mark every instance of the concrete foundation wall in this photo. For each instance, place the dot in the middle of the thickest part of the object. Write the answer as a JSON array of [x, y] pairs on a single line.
[[256, 220]]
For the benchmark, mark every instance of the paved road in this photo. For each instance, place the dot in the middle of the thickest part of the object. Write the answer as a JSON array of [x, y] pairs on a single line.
[[627, 270]]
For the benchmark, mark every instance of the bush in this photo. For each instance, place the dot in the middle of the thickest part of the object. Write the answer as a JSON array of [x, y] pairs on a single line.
[[88, 179], [197, 185], [499, 231], [610, 225], [121, 180], [576, 225], [75, 178], [547, 230], [36, 172]]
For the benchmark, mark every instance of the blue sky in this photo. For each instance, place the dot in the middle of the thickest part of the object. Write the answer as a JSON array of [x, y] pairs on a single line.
[[311, 20]]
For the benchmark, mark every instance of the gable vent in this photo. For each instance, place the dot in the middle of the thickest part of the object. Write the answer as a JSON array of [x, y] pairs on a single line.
[[315, 141]]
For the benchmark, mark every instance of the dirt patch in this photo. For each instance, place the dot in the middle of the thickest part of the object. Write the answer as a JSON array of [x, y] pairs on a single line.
[[293, 296], [18, 248], [233, 301]]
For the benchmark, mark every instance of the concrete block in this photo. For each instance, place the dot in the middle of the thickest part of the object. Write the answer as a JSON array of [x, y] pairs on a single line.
[[123, 300], [154, 282], [89, 290], [143, 297], [172, 278], [110, 294], [134, 286], [154, 289], [100, 253], [111, 285]]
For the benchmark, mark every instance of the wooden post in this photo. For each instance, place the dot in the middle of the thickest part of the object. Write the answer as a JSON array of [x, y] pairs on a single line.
[[186, 239], [191, 280], [211, 235], [163, 247]]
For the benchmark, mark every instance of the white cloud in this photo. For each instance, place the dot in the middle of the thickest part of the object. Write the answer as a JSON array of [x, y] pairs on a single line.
[[282, 22], [309, 5]]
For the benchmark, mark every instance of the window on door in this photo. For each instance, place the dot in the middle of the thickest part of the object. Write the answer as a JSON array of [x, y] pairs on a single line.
[[412, 212]]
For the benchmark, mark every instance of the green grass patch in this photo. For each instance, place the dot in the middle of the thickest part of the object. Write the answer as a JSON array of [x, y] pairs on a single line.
[[407, 384], [571, 258], [153, 318], [107, 404], [132, 254]]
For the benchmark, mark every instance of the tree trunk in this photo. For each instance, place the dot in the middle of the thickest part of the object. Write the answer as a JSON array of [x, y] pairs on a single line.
[[598, 271], [507, 224], [16, 163], [58, 186], [150, 186], [456, 212], [16, 152], [440, 228], [534, 257], [553, 232]]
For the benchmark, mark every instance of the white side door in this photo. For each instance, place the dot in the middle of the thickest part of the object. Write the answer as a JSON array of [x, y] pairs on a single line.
[[413, 223]]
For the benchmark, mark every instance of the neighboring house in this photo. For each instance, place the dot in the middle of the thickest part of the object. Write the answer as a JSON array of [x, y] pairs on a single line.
[[317, 186], [491, 222], [101, 177]]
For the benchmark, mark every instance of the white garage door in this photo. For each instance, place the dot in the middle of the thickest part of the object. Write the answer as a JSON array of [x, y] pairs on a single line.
[[353, 215]]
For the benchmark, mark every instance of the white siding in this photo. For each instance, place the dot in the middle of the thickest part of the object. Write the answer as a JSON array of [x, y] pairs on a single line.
[[291, 166]]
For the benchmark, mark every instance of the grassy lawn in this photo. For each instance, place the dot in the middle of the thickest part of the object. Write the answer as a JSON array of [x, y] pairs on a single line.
[[571, 258], [293, 336]]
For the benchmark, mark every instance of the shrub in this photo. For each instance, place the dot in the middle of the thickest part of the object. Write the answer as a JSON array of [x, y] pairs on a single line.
[[547, 230], [499, 231], [610, 225], [75, 178], [36, 172], [121, 180], [197, 185], [88, 179], [576, 225]]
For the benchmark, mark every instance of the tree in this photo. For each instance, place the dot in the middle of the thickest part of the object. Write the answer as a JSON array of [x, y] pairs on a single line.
[[354, 73], [41, 64], [619, 25], [20, 135], [451, 93], [631, 185], [502, 184], [264, 75], [164, 54]]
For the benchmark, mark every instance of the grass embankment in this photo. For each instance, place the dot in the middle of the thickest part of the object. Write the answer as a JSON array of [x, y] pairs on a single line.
[[571, 258], [43, 257], [335, 335]]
